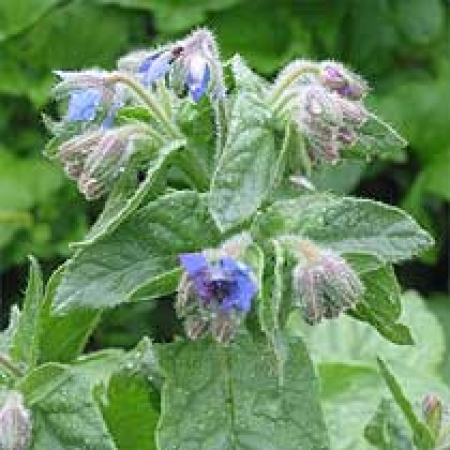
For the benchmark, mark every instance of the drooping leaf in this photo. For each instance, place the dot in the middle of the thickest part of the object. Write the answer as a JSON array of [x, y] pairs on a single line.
[[223, 398], [381, 304], [245, 172], [143, 248], [346, 225]]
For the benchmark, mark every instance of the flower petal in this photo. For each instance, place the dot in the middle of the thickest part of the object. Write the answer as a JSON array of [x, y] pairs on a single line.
[[155, 67], [193, 263], [197, 78], [83, 105]]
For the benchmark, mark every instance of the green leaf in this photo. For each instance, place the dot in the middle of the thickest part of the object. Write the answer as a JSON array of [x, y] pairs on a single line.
[[346, 225], [143, 248], [223, 398], [64, 412], [25, 342], [127, 195], [347, 340], [385, 431], [420, 22], [245, 172], [245, 78], [381, 304], [350, 393], [14, 17], [422, 435], [63, 338], [130, 411]]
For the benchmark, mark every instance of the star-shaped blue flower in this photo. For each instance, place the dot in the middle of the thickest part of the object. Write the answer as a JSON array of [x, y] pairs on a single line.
[[226, 281]]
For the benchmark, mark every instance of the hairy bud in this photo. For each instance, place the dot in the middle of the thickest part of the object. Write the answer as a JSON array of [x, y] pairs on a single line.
[[324, 284], [338, 78], [432, 412], [15, 423], [95, 158]]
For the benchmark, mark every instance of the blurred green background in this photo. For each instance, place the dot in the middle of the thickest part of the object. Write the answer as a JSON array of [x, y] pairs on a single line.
[[401, 46]]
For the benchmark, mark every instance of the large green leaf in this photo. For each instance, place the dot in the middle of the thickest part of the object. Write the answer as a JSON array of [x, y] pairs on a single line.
[[346, 352], [230, 398], [347, 225], [142, 248], [247, 166]]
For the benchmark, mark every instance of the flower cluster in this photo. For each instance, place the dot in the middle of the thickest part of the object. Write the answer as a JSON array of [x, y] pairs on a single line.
[[215, 294], [323, 282], [15, 423], [96, 146], [324, 100]]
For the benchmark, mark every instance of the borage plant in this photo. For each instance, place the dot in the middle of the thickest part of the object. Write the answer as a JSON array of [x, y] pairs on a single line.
[[206, 169]]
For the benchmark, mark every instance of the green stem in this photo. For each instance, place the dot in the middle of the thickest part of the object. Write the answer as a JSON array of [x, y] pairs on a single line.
[[149, 100], [8, 365]]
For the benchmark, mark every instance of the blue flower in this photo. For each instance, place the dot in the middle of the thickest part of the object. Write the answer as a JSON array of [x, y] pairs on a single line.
[[227, 282], [83, 105], [155, 67], [198, 76]]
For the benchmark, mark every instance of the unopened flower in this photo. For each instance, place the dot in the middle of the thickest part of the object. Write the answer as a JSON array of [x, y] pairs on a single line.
[[432, 411], [328, 121], [15, 423], [200, 65], [323, 283], [95, 158], [87, 92], [346, 83], [214, 295]]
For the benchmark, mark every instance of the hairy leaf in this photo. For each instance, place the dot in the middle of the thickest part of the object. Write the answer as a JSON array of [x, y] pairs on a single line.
[[347, 225], [145, 247], [225, 398], [245, 172]]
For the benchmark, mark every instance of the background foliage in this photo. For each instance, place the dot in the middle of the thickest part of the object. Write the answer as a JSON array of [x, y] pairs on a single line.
[[403, 49]]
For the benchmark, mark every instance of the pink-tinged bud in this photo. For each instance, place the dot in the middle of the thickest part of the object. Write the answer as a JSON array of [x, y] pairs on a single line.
[[432, 412], [15, 423], [324, 284], [73, 152], [346, 83]]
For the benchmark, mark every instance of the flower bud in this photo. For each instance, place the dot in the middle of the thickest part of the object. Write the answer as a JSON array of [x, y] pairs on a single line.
[[199, 65], [347, 84], [106, 160], [15, 423], [323, 283], [432, 412]]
